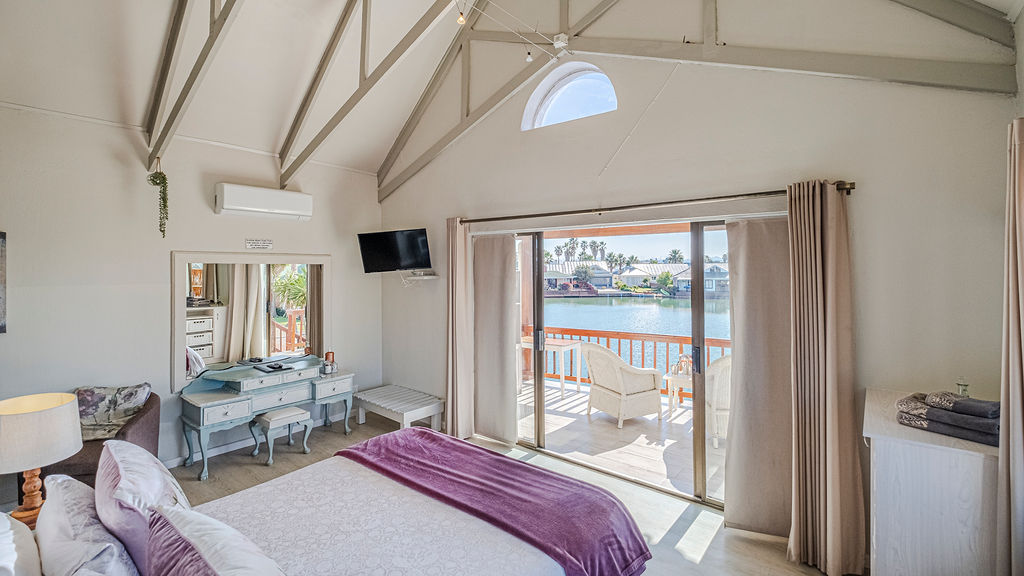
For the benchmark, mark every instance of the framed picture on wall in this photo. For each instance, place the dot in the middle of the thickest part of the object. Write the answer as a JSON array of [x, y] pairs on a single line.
[[3, 282]]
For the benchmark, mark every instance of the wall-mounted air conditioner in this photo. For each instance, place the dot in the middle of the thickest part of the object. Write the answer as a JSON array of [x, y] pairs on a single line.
[[255, 201]]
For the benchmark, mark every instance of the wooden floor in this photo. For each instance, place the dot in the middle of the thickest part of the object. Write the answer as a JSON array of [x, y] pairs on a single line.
[[659, 452], [685, 538]]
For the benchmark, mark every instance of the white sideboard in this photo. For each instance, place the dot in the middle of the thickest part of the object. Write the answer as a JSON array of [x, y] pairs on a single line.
[[206, 332], [932, 497]]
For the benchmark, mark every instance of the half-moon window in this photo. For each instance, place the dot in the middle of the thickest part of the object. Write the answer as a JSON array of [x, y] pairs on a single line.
[[572, 91]]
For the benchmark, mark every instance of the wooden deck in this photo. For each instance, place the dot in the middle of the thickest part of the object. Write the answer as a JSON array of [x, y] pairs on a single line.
[[657, 452]]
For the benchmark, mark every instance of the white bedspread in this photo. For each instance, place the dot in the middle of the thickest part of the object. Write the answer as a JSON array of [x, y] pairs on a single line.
[[337, 517]]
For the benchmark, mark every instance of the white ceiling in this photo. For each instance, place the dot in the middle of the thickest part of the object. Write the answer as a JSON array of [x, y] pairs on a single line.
[[99, 59]]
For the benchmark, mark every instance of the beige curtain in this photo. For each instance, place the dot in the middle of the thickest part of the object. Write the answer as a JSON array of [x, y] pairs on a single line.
[[460, 386], [255, 331], [828, 502], [759, 461], [1010, 491], [210, 285], [496, 331], [315, 308], [236, 314]]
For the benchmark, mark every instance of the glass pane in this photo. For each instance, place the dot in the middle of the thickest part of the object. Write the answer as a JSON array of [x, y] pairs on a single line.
[[525, 404], [288, 294], [585, 95], [718, 359]]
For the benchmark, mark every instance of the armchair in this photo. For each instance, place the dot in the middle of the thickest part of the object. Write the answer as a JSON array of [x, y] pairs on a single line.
[[619, 389], [143, 430]]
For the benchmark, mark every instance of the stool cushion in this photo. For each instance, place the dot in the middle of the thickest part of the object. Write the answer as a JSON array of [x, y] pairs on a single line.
[[283, 416]]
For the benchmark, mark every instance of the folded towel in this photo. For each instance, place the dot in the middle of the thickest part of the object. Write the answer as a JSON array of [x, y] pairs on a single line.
[[915, 406], [947, 429], [963, 404]]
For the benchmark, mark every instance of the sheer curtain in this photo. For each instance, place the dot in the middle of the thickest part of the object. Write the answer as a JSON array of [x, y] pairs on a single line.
[[496, 331], [1010, 491], [460, 385], [236, 313], [759, 461], [828, 502]]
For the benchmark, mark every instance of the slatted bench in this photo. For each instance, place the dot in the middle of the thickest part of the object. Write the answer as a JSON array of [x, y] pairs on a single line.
[[398, 403]]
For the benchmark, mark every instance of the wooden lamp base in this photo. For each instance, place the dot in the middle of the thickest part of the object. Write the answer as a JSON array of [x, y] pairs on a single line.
[[29, 509]]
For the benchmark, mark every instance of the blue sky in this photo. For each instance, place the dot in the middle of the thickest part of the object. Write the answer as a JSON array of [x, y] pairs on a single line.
[[647, 246], [587, 95]]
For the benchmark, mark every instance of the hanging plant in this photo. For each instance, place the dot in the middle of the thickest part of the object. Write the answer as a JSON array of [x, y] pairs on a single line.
[[159, 179]]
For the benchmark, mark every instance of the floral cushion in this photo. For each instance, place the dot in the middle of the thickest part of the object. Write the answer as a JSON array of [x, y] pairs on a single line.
[[103, 411]]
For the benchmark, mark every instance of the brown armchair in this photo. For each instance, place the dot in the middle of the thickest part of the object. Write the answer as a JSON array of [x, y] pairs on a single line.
[[143, 430]]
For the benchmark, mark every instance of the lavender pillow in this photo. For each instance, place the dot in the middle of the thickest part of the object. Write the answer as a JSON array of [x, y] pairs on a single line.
[[72, 541], [187, 543], [129, 482]]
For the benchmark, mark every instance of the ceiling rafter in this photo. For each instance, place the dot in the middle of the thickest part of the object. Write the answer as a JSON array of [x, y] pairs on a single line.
[[168, 62], [213, 42], [591, 17], [969, 15], [299, 121], [427, 96], [365, 85]]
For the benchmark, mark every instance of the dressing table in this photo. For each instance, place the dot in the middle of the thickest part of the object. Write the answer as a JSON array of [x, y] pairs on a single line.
[[223, 399]]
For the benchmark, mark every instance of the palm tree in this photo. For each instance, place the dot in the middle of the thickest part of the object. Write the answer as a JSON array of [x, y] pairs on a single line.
[[594, 248], [570, 249], [612, 260], [707, 258], [558, 251], [548, 258], [631, 260], [675, 256], [601, 247], [725, 257]]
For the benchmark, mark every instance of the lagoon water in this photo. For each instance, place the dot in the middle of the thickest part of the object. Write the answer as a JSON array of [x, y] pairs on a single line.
[[644, 315]]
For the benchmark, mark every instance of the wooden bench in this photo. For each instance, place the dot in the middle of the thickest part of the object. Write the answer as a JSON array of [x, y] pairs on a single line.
[[401, 404]]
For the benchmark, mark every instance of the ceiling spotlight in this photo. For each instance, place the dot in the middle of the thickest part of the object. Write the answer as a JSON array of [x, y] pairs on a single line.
[[529, 57], [462, 19]]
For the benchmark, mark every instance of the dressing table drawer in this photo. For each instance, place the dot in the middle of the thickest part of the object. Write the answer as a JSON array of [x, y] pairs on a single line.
[[281, 397], [250, 384], [198, 325], [333, 387], [305, 374], [199, 339], [225, 412]]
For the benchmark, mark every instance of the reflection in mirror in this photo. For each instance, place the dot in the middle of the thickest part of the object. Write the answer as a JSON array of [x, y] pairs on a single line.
[[236, 312]]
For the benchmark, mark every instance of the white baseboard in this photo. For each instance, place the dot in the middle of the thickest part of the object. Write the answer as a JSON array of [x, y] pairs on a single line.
[[230, 447]]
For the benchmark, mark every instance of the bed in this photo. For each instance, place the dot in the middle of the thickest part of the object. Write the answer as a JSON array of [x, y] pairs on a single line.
[[343, 516]]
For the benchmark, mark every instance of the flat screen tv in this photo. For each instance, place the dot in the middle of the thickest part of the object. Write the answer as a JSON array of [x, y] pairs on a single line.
[[394, 250]]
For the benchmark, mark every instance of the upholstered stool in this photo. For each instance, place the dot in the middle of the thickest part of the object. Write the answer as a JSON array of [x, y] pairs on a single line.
[[277, 419]]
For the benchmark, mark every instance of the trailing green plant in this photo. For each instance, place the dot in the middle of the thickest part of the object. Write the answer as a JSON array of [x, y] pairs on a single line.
[[159, 179], [290, 287]]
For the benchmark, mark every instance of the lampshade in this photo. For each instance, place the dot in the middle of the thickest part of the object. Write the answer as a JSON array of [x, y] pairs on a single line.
[[38, 430]]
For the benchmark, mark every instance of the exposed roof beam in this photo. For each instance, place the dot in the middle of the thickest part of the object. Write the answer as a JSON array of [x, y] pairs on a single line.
[[591, 17], [969, 15], [511, 37], [421, 26], [563, 16], [167, 64], [364, 40], [710, 26], [214, 12], [465, 51], [497, 99], [430, 91], [998, 78], [199, 69], [318, 77]]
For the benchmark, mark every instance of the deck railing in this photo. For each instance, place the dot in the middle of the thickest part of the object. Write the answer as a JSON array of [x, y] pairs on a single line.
[[291, 336], [657, 351]]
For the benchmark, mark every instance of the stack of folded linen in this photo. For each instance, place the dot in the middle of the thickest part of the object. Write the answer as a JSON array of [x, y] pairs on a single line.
[[951, 414]]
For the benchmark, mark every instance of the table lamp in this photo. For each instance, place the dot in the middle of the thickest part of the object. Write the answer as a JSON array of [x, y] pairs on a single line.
[[35, 431]]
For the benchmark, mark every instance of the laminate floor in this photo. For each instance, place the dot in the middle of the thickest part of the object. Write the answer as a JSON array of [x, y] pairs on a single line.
[[685, 538]]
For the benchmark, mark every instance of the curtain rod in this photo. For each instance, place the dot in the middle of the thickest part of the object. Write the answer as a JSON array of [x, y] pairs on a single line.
[[841, 185]]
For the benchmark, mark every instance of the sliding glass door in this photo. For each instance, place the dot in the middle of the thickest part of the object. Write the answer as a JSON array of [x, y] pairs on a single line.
[[529, 349]]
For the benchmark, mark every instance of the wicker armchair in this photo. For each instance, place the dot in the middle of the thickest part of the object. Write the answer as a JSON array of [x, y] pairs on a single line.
[[619, 389], [143, 430]]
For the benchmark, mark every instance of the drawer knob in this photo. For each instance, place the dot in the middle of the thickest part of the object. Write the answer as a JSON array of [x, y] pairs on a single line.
[[226, 412]]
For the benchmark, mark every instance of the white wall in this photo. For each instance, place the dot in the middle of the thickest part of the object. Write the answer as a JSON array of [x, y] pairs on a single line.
[[926, 219], [89, 275]]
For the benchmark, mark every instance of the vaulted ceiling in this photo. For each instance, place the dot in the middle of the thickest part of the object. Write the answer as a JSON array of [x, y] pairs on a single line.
[[100, 60]]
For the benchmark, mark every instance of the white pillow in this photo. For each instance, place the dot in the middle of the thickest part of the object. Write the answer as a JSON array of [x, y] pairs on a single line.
[[71, 538], [187, 543], [18, 553], [129, 482]]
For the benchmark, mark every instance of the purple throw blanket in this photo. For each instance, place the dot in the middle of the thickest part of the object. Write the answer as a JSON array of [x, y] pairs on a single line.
[[585, 529]]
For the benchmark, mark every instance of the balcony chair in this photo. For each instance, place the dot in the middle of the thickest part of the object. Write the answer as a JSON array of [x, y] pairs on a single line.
[[717, 382], [619, 389]]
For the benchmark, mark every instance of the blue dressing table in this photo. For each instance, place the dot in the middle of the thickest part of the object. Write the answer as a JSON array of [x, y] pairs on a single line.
[[223, 399]]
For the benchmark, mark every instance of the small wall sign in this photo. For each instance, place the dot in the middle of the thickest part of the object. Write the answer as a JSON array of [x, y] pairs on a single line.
[[259, 244]]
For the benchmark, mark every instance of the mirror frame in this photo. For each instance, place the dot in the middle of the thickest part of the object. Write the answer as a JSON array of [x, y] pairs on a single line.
[[179, 273]]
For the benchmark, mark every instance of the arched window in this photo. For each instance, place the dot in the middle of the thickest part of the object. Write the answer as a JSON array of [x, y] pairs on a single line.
[[573, 90]]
